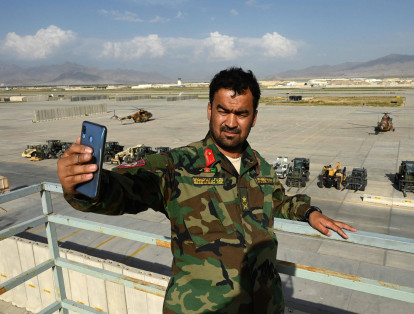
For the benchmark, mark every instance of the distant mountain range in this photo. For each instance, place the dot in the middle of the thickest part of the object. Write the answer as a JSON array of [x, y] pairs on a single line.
[[73, 74], [393, 65]]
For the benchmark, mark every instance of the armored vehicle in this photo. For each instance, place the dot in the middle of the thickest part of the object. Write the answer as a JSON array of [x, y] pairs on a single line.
[[332, 176], [65, 146], [298, 172], [162, 149], [357, 180], [52, 148], [281, 166], [404, 178], [145, 150], [128, 155], [111, 149]]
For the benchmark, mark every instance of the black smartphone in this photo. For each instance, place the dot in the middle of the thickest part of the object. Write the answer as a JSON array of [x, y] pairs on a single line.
[[93, 135]]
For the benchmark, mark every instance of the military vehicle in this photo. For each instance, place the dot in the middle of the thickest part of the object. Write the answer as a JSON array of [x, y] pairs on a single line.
[[140, 116], [385, 124], [65, 146], [358, 180], [281, 166], [4, 185], [162, 149], [298, 172], [404, 178], [35, 152], [145, 150], [332, 176], [52, 148], [128, 155], [111, 149]]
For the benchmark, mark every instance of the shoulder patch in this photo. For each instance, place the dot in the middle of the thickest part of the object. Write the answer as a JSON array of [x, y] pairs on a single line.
[[264, 180], [138, 163]]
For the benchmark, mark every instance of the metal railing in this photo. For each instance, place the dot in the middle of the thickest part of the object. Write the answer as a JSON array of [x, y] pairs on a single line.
[[56, 263]]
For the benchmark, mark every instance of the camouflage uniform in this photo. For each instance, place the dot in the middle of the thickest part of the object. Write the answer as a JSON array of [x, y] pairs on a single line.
[[222, 237]]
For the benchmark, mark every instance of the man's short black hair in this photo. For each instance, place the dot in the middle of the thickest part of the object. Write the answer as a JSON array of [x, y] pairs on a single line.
[[236, 80]]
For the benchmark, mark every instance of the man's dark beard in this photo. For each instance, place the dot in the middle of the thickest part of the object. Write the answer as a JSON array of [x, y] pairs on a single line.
[[233, 146]]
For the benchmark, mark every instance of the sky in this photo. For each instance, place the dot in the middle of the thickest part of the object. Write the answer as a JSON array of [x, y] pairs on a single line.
[[193, 39]]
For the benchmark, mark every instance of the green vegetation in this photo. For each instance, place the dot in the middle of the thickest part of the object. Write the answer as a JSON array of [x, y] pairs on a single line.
[[371, 101]]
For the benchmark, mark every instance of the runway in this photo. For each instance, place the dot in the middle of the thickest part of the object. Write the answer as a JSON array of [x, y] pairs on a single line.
[[325, 135]]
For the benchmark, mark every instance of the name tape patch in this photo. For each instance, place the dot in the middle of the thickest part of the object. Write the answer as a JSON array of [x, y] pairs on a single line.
[[138, 163], [208, 181], [264, 180]]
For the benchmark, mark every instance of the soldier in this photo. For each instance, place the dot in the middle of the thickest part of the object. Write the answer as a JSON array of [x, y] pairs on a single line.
[[221, 197]]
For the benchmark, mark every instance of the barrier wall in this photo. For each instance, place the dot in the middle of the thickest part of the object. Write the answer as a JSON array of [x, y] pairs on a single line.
[[136, 97], [37, 293], [88, 97], [182, 97], [69, 112]]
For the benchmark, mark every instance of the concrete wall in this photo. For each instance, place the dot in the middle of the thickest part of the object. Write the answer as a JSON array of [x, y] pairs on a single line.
[[69, 112], [136, 97], [19, 255], [185, 97]]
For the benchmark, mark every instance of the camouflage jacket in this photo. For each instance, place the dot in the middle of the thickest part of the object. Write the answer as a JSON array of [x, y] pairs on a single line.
[[222, 239]]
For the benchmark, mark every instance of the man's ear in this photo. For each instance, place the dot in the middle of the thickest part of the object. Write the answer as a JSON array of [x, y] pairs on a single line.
[[254, 118], [208, 111]]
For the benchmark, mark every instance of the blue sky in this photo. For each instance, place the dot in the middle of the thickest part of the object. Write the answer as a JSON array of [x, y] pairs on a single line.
[[195, 39]]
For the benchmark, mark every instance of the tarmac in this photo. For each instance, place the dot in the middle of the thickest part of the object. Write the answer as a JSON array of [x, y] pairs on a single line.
[[323, 134]]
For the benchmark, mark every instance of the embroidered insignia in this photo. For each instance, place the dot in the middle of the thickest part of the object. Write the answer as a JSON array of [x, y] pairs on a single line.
[[209, 156], [264, 180], [138, 163], [208, 181], [208, 170]]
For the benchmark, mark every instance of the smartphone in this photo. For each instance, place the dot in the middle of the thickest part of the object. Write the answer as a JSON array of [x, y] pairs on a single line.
[[93, 135]]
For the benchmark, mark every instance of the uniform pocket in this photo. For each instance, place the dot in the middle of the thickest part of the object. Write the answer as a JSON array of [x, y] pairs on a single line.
[[204, 213]]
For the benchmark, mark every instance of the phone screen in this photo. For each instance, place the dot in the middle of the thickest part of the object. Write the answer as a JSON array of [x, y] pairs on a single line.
[[93, 135]]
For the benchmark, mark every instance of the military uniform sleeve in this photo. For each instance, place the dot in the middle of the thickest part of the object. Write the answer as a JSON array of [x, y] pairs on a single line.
[[131, 188], [289, 207]]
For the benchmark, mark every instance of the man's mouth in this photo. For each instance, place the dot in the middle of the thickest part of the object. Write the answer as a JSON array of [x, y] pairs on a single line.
[[230, 132]]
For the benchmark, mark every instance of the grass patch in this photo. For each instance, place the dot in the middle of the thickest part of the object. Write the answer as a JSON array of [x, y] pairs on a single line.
[[371, 101]]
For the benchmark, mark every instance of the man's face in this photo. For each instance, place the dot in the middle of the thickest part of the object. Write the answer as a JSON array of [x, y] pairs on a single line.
[[231, 118]]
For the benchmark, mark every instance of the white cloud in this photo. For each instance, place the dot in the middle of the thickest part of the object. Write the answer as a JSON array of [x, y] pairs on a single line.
[[122, 16], [138, 47], [221, 47], [275, 45], [159, 19], [179, 15], [234, 12], [39, 46]]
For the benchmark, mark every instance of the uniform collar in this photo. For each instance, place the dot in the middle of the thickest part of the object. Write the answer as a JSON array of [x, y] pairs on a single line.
[[248, 157]]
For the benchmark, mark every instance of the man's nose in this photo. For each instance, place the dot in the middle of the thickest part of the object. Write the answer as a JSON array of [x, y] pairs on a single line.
[[231, 121]]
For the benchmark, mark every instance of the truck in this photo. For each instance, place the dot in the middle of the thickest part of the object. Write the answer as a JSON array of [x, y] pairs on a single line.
[[281, 166], [111, 149], [404, 178], [128, 155], [357, 181], [298, 172]]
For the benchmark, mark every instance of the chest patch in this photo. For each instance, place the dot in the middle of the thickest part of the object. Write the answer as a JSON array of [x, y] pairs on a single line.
[[208, 181], [264, 180]]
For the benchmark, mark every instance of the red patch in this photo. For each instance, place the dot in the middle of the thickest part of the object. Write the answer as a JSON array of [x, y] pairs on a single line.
[[209, 156], [138, 163]]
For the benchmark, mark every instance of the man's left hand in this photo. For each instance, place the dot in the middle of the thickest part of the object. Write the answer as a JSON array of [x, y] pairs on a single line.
[[323, 223]]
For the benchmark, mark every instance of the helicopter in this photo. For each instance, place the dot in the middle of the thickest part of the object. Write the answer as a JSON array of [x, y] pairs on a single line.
[[140, 116], [385, 124]]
